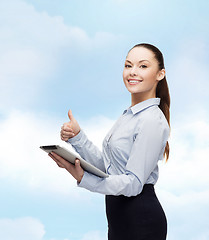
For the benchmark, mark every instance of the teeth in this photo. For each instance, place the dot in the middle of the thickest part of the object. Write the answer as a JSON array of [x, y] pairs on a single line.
[[132, 81]]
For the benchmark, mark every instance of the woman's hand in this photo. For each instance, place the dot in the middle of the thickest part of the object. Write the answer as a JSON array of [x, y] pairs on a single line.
[[75, 170], [69, 129]]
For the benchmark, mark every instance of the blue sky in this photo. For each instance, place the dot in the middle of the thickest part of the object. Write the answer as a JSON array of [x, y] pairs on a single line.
[[57, 55]]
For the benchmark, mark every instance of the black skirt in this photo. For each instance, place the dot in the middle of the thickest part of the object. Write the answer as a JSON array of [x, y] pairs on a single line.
[[139, 217]]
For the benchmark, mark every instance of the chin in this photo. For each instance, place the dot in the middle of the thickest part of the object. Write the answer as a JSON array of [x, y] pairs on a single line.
[[134, 91]]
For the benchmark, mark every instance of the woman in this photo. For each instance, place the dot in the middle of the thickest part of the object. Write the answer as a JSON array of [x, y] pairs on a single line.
[[131, 151]]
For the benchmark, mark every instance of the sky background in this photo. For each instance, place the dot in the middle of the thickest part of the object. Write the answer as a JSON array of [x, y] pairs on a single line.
[[69, 54]]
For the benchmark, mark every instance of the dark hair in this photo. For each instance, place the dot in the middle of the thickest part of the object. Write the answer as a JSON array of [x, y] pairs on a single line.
[[162, 90]]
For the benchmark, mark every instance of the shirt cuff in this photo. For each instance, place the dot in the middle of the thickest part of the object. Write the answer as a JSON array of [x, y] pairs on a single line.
[[77, 139], [89, 181]]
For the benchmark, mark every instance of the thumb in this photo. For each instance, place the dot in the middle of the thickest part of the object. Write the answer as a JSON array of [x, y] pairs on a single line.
[[77, 163], [70, 115]]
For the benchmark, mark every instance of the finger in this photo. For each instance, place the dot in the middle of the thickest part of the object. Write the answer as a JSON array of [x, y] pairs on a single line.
[[68, 136], [78, 164], [53, 157], [62, 160], [64, 139], [70, 115], [78, 170], [56, 156], [57, 162], [66, 128], [67, 133]]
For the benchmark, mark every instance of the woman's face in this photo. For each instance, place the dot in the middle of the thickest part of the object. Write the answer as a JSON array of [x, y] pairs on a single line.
[[141, 72]]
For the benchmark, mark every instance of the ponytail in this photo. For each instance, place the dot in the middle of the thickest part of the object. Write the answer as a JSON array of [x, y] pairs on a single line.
[[163, 93]]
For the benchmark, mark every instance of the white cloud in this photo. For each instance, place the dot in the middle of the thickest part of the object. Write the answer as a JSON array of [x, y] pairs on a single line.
[[25, 164], [22, 160], [187, 74], [32, 47], [186, 213], [32, 28], [189, 148], [25, 26], [21, 229], [29, 228], [94, 235], [21, 75]]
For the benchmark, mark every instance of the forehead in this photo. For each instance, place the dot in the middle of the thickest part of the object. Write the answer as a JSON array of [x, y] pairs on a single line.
[[140, 53]]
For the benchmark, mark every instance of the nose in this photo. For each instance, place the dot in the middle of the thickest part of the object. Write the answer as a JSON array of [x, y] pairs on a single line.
[[133, 71]]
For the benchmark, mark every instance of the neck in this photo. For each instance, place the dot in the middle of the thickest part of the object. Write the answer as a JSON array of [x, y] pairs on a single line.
[[140, 97]]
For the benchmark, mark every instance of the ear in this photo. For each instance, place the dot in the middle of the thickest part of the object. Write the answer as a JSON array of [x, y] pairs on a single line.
[[161, 74]]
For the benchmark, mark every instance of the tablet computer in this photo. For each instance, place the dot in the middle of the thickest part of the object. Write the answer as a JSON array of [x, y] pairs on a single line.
[[70, 156]]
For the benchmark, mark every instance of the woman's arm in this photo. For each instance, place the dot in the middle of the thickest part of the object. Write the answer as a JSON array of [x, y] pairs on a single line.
[[125, 184], [87, 150], [73, 134]]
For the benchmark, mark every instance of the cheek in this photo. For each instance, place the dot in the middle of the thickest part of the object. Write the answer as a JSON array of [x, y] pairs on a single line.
[[150, 76], [124, 75]]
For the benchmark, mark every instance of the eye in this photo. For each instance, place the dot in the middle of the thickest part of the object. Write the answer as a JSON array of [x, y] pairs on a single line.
[[143, 66], [127, 65]]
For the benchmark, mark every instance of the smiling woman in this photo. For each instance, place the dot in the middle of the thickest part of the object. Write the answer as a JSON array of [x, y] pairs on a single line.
[[131, 151], [158, 87], [141, 76]]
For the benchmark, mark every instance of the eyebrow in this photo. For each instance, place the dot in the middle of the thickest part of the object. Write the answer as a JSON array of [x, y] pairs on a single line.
[[139, 61]]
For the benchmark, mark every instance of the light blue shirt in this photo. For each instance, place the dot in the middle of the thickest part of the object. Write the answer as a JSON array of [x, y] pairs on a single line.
[[131, 151]]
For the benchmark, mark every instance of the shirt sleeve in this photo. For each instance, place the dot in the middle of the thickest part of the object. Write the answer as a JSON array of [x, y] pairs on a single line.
[[147, 148], [124, 184], [149, 142], [87, 150]]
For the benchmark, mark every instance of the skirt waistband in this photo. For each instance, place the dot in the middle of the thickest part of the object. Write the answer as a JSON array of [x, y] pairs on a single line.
[[148, 189]]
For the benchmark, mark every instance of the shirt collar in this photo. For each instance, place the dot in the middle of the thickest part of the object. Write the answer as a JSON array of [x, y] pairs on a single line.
[[144, 104]]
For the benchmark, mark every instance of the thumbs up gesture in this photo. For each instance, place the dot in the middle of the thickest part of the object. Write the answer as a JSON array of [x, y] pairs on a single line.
[[69, 129]]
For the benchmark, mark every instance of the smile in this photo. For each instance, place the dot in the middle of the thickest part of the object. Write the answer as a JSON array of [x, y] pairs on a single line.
[[134, 82]]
